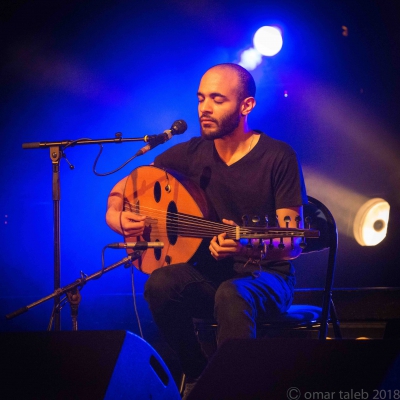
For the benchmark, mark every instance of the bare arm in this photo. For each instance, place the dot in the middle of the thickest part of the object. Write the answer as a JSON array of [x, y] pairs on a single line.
[[123, 222], [288, 252]]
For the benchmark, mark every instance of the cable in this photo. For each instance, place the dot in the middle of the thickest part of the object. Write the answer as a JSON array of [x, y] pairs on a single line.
[[73, 142], [134, 302], [110, 172]]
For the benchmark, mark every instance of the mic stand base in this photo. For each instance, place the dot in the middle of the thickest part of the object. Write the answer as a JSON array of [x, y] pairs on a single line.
[[74, 298], [72, 290]]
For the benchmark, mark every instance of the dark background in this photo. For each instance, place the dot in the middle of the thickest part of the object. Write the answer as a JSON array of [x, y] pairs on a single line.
[[89, 69]]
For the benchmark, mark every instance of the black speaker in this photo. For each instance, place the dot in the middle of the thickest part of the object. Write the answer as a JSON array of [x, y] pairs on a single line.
[[82, 365], [392, 329], [295, 369]]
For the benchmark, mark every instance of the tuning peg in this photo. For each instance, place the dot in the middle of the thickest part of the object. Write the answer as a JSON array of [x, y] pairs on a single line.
[[308, 222], [271, 244], [303, 244], [281, 245], [287, 219], [255, 220], [298, 220], [245, 219], [266, 221]]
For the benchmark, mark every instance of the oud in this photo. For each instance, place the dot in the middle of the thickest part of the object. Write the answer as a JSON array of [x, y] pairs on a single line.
[[179, 215]]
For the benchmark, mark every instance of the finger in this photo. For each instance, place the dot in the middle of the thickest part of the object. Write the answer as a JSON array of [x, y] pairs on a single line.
[[134, 217], [219, 251], [221, 238], [133, 232], [214, 246], [220, 248], [221, 245], [223, 242], [216, 250], [228, 243], [213, 251], [229, 222], [133, 227]]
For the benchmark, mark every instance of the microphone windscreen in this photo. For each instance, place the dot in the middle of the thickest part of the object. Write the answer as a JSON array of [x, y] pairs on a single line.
[[178, 127]]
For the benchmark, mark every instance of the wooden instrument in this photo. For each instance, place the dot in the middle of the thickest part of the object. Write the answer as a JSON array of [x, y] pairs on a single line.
[[179, 214]]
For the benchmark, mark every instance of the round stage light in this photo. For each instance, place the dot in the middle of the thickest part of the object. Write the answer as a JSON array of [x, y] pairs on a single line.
[[371, 221], [250, 59], [268, 40]]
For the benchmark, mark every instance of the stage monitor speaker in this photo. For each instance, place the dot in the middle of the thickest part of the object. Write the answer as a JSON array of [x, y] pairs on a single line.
[[392, 329], [82, 365], [293, 369]]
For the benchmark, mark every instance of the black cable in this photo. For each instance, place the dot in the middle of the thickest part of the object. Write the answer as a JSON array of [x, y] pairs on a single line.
[[73, 142], [111, 172]]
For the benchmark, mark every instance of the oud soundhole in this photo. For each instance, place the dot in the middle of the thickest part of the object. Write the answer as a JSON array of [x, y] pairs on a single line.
[[157, 252], [172, 222], [157, 192]]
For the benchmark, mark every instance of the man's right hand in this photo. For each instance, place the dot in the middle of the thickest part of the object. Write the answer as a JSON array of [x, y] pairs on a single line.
[[125, 223], [132, 224]]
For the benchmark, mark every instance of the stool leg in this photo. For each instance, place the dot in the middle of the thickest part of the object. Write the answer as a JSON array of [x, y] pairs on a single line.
[[182, 384], [335, 322]]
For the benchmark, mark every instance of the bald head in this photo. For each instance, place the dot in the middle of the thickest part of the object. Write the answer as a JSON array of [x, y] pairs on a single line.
[[246, 87], [226, 97]]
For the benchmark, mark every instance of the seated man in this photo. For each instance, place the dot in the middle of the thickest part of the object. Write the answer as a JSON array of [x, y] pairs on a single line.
[[243, 172]]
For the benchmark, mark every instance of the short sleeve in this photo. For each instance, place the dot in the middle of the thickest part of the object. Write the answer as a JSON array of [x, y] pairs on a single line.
[[289, 184]]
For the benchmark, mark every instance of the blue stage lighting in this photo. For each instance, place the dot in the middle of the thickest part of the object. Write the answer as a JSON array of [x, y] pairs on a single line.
[[268, 40]]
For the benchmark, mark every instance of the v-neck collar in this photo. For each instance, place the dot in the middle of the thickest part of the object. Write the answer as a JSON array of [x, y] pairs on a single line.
[[221, 161]]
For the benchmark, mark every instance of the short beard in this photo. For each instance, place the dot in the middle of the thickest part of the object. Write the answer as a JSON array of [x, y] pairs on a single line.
[[226, 126]]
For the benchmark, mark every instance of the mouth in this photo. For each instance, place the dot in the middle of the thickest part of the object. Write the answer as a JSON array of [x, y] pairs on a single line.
[[207, 121]]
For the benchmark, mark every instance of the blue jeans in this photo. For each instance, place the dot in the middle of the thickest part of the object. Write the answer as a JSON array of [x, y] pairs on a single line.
[[177, 293]]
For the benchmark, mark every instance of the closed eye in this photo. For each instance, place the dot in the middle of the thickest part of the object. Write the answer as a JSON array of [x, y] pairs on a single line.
[[218, 98]]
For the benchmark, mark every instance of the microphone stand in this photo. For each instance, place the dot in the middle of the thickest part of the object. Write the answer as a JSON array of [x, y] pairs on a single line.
[[72, 291], [56, 154]]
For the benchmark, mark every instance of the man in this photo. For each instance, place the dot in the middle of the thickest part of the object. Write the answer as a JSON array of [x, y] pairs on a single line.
[[243, 172]]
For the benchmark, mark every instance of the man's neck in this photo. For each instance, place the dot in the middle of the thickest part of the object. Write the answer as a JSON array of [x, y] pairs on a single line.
[[235, 146]]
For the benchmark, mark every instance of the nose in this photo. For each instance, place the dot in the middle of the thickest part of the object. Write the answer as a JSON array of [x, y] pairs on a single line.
[[205, 107]]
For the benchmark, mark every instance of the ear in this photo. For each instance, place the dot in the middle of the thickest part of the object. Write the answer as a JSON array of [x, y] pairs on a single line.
[[247, 105]]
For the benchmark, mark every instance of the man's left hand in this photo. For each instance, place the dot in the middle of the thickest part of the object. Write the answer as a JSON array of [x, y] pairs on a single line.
[[221, 247]]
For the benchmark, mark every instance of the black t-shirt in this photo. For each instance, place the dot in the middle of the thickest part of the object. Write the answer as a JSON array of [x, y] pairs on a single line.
[[269, 177]]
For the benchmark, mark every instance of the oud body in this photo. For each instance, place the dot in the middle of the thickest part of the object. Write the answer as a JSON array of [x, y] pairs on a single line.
[[164, 197]]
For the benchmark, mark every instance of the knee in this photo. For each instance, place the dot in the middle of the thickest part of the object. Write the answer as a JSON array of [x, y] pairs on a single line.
[[230, 293], [157, 283], [225, 292], [156, 290], [162, 285]]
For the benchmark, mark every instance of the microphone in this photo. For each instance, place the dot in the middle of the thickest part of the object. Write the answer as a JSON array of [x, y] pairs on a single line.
[[177, 128], [137, 245]]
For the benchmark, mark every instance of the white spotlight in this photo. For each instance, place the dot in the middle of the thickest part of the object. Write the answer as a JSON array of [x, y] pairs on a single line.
[[250, 58], [268, 40], [371, 221]]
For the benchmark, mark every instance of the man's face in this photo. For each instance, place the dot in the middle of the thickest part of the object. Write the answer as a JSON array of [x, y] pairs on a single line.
[[219, 109]]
